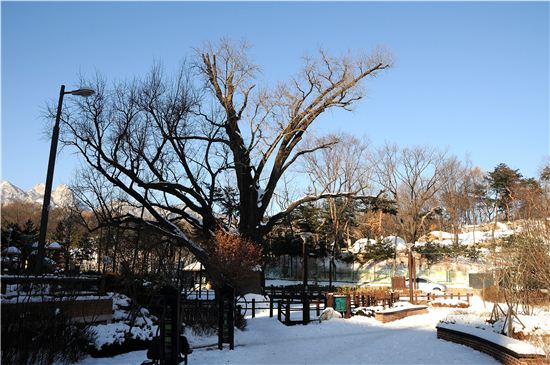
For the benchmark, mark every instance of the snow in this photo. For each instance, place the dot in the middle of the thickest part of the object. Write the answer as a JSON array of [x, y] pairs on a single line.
[[359, 340], [472, 235], [399, 242], [47, 298], [329, 313], [361, 244], [54, 246], [12, 250], [519, 347], [449, 302], [442, 235], [203, 294], [399, 307], [194, 266], [112, 333]]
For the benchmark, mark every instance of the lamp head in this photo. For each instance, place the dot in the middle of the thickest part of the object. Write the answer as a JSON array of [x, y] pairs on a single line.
[[83, 91]]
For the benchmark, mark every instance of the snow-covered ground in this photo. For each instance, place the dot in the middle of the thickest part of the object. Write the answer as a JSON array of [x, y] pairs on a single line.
[[359, 340]]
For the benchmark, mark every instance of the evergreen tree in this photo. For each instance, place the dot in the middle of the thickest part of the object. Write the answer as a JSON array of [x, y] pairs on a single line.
[[503, 180]]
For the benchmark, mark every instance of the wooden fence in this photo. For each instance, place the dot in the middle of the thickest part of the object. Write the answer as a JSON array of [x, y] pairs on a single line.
[[285, 308], [82, 285]]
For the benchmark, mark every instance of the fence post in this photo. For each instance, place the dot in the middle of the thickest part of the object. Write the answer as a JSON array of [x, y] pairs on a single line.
[[348, 306], [318, 307], [279, 305], [270, 307], [468, 298], [451, 295], [253, 308], [287, 312]]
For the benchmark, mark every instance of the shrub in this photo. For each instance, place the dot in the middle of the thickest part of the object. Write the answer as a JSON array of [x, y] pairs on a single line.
[[235, 256], [41, 334]]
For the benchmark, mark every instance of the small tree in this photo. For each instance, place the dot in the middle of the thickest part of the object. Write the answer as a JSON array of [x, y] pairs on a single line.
[[236, 256]]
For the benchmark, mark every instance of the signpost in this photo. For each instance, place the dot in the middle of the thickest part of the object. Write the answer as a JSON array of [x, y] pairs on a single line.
[[170, 326], [340, 303], [226, 316]]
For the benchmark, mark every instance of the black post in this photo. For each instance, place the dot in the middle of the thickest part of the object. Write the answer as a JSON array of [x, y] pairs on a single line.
[[305, 298], [226, 316], [48, 188], [170, 326]]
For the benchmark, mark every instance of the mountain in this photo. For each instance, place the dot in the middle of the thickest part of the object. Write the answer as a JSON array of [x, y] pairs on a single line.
[[9, 193]]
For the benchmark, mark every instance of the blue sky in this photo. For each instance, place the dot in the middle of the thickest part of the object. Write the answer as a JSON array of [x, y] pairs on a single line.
[[471, 77]]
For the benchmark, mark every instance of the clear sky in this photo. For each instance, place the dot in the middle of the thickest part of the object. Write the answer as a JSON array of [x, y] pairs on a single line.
[[473, 77]]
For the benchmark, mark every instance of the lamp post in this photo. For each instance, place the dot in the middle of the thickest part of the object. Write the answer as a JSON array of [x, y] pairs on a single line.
[[305, 234], [84, 92]]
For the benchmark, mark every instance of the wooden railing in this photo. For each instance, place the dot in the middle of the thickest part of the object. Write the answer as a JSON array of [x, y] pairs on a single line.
[[285, 308], [58, 285]]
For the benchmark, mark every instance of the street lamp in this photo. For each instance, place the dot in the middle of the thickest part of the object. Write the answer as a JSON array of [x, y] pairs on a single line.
[[84, 92], [305, 234]]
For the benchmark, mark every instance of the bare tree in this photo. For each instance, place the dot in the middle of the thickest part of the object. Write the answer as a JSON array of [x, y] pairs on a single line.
[[454, 194], [413, 177], [339, 169], [170, 146]]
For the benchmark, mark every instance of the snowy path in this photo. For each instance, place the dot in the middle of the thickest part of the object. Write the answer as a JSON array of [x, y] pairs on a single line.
[[355, 341]]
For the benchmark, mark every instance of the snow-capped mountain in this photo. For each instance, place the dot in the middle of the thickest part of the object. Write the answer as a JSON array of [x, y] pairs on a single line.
[[9, 193]]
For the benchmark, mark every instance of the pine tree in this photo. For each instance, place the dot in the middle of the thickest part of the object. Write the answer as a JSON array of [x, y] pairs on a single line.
[[503, 181]]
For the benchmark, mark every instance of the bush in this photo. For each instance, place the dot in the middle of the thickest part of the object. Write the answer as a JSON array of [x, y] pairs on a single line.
[[235, 256], [378, 293], [41, 334]]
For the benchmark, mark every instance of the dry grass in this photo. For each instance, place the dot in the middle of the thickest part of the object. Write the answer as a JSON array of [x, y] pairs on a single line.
[[374, 292]]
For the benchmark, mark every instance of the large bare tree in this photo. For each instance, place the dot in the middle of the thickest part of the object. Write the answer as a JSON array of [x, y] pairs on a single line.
[[171, 146]]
